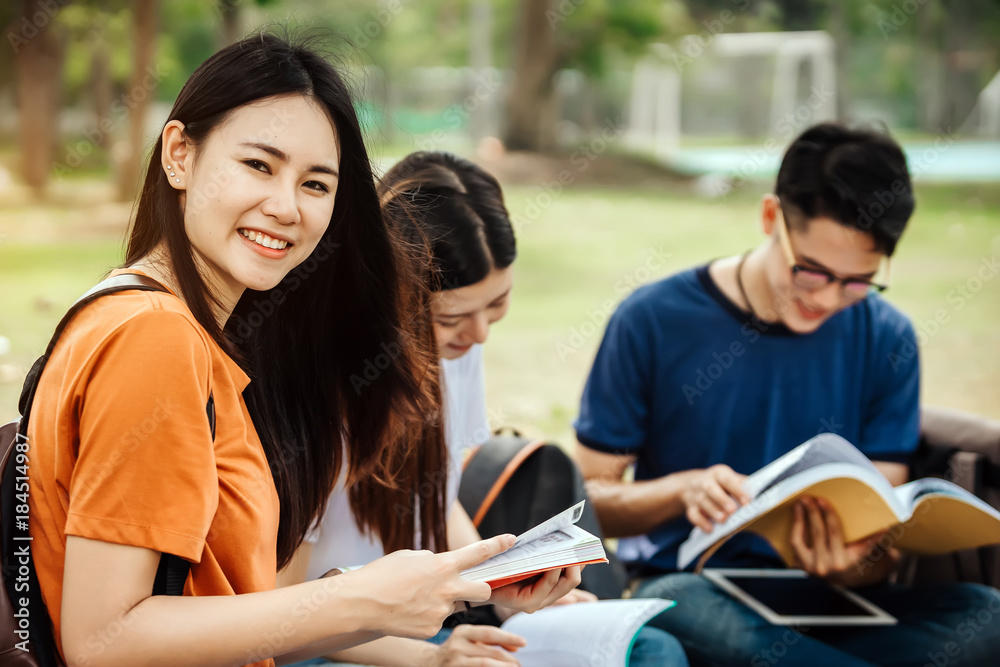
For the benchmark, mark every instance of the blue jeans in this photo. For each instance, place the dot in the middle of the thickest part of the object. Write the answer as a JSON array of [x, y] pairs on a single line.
[[652, 648], [949, 625]]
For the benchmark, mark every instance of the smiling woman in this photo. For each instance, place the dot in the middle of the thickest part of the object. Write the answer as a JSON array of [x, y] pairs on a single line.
[[258, 217], [278, 195]]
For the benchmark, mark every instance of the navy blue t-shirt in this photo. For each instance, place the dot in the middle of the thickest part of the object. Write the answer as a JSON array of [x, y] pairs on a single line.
[[685, 379]]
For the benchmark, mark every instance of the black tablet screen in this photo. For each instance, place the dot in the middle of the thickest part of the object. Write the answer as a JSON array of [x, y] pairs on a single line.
[[805, 596]]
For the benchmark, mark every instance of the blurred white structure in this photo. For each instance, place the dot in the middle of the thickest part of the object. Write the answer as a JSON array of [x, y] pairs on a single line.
[[989, 109], [655, 107]]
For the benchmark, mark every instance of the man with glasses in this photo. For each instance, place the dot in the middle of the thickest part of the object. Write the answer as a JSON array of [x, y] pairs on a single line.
[[710, 374]]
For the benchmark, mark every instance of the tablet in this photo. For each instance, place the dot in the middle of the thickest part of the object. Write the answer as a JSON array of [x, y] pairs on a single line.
[[792, 597]]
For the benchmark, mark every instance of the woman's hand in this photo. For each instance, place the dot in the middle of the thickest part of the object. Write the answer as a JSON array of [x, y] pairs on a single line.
[[478, 645], [711, 495], [410, 593], [533, 594], [818, 540]]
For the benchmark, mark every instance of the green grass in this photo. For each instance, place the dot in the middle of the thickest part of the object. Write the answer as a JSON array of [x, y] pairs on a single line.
[[579, 255], [38, 283], [575, 256]]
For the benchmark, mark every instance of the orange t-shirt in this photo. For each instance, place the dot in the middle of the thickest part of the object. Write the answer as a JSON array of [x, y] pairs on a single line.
[[120, 450]]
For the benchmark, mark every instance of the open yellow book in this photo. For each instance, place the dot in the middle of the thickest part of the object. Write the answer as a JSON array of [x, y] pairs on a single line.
[[927, 516]]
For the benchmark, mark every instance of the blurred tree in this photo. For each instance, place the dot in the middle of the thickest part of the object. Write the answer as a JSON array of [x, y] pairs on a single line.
[[530, 101], [550, 35], [142, 88], [39, 45], [970, 59], [97, 28], [229, 13]]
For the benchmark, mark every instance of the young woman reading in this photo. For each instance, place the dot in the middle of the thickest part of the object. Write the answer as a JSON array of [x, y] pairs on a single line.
[[258, 206], [455, 211]]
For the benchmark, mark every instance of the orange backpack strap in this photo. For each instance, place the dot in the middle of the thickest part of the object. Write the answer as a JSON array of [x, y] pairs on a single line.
[[487, 470]]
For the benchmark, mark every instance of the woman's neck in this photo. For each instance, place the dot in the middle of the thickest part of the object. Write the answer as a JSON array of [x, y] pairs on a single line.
[[157, 265]]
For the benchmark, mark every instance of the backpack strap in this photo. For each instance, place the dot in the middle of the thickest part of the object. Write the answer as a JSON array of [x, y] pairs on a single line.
[[488, 469], [119, 283], [172, 571]]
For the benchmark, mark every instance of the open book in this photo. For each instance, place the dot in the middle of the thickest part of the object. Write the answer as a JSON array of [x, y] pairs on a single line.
[[927, 516], [583, 634], [550, 545]]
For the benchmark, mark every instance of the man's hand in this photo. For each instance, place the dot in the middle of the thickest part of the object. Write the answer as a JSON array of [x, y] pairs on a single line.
[[818, 540], [711, 495]]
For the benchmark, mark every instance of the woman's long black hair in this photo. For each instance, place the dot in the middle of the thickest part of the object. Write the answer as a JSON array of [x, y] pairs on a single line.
[[450, 214], [455, 209], [310, 343]]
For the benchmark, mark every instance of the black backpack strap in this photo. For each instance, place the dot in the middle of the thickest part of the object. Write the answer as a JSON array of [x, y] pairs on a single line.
[[171, 575], [172, 571], [40, 630], [119, 283]]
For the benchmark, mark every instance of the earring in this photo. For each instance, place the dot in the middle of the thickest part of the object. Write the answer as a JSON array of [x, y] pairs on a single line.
[[170, 168]]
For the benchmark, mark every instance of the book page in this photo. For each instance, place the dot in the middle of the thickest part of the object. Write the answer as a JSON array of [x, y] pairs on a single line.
[[583, 634], [534, 554], [944, 522], [824, 448], [791, 487], [559, 521], [911, 492]]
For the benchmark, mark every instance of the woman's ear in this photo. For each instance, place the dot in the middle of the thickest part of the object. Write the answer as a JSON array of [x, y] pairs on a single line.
[[769, 206], [176, 155]]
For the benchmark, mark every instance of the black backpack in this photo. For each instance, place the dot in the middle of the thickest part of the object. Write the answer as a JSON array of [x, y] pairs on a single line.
[[511, 484], [25, 626], [965, 449]]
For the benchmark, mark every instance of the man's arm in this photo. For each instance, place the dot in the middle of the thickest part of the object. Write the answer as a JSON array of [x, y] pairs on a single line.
[[624, 508]]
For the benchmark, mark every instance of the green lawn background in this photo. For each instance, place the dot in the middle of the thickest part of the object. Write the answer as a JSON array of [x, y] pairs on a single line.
[[579, 254]]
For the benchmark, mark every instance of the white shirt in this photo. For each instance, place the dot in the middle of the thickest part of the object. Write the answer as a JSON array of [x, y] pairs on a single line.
[[336, 540]]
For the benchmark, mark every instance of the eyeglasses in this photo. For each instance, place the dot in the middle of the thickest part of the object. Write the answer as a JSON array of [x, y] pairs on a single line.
[[812, 279]]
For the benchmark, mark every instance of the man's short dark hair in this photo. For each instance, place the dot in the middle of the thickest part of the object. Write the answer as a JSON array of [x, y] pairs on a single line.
[[855, 177]]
